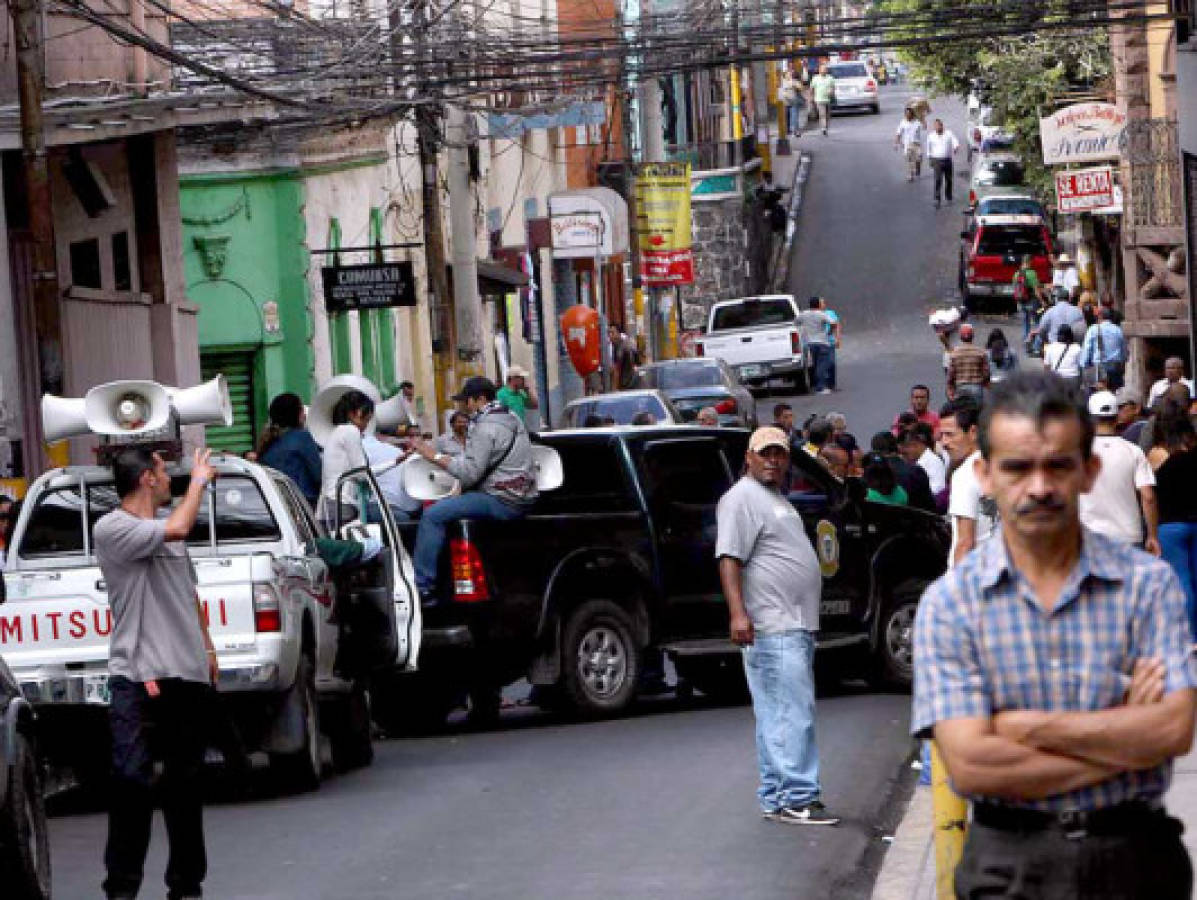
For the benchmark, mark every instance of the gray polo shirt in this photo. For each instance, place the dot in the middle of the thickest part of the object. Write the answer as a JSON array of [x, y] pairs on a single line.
[[782, 582], [151, 588], [815, 326]]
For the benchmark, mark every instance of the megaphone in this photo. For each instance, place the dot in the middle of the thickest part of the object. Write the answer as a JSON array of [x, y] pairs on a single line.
[[205, 404], [546, 463], [392, 413], [126, 408], [424, 480], [63, 417], [320, 422]]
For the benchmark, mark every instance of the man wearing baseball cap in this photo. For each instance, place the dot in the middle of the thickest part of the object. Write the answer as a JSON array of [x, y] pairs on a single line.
[[517, 395], [496, 474], [968, 368], [772, 582], [1121, 504]]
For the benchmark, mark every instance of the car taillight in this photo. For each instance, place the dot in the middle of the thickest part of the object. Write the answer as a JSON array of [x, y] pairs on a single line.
[[972, 198], [795, 343], [726, 407], [870, 85], [469, 578], [268, 612], [698, 349]]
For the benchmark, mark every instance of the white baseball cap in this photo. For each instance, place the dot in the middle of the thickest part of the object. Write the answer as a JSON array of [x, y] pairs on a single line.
[[1103, 405]]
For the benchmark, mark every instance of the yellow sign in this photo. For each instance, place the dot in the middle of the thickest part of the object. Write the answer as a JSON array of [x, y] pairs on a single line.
[[663, 225], [827, 546]]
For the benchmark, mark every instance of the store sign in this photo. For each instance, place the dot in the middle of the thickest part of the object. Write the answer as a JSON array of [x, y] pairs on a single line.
[[370, 286], [1085, 190], [663, 224], [1083, 132], [577, 234]]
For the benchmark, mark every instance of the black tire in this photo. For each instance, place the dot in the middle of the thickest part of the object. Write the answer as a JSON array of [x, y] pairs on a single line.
[[600, 659], [802, 382], [410, 705], [876, 109], [24, 844], [893, 658], [350, 730], [300, 771]]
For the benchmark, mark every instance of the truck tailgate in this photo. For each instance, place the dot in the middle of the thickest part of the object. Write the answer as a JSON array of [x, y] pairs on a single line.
[[749, 346], [61, 617]]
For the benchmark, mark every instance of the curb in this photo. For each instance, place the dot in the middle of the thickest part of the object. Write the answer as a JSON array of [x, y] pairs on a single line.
[[908, 867], [782, 257]]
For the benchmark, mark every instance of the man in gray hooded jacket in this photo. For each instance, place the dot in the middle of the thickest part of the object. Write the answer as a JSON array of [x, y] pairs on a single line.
[[496, 474]]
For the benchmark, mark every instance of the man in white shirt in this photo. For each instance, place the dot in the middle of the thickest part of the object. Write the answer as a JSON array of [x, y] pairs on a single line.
[[941, 147], [403, 507], [1174, 372], [1065, 275], [909, 139], [916, 445], [1122, 498], [973, 515]]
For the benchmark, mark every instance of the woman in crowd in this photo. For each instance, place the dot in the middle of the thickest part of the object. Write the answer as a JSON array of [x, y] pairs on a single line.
[[1167, 426], [1176, 490], [1002, 361], [343, 450], [286, 445], [1063, 357]]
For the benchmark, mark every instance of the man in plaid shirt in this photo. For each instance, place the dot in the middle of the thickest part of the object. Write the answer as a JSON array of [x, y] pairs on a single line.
[[1053, 668]]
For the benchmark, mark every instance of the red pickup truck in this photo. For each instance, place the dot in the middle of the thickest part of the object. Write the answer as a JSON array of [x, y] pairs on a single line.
[[991, 251]]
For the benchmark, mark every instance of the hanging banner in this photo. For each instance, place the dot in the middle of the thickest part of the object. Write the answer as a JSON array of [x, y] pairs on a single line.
[[1085, 190], [1082, 132], [663, 224], [369, 286]]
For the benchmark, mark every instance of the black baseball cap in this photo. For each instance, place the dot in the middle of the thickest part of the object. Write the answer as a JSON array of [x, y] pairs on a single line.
[[476, 386]]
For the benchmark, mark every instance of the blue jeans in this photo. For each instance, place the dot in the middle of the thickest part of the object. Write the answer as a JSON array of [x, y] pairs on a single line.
[[430, 538], [794, 118], [1028, 319], [782, 683], [820, 363], [1178, 541]]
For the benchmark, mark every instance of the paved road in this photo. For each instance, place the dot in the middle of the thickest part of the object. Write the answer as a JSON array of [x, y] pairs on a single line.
[[660, 804]]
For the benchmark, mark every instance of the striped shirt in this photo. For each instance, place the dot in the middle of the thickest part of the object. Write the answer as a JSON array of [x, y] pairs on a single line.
[[982, 644]]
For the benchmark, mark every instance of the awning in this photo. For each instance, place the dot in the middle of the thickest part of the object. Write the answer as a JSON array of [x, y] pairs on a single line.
[[495, 278], [588, 222]]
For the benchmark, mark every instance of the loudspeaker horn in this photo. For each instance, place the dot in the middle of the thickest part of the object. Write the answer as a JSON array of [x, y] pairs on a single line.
[[127, 408], [389, 414], [320, 422], [546, 462], [424, 481], [63, 417], [205, 404]]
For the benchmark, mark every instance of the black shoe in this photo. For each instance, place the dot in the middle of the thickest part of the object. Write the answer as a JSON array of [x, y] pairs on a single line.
[[813, 813]]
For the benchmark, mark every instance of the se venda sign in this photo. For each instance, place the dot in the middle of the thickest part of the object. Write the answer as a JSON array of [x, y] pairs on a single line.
[[1085, 190], [1082, 132]]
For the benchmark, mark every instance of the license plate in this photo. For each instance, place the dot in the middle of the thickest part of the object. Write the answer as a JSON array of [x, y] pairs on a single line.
[[96, 690], [750, 371], [835, 607]]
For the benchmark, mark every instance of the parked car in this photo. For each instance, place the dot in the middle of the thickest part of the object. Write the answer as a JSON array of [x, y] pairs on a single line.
[[855, 87], [991, 252], [759, 338], [624, 570], [620, 408], [691, 384], [24, 843], [994, 173], [298, 643], [1007, 205]]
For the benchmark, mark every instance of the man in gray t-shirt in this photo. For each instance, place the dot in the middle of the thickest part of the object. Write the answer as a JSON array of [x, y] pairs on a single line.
[[816, 329], [161, 667], [772, 582]]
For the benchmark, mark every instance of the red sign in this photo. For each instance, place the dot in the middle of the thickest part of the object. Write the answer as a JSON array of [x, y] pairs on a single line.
[[660, 268], [1084, 190]]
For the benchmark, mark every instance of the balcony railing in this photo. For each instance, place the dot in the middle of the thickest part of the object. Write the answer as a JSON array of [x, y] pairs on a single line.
[[1156, 199]]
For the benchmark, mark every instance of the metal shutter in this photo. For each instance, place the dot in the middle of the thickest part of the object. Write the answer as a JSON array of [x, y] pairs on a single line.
[[237, 369]]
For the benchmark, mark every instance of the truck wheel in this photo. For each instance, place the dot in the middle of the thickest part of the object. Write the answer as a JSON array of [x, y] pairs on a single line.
[[24, 845], [410, 705], [349, 731], [894, 656], [600, 659], [801, 382], [300, 771]]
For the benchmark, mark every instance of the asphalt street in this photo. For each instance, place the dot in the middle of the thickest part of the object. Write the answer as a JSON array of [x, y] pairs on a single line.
[[659, 804]]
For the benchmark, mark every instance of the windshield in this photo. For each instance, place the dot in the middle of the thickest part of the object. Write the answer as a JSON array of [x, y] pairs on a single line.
[[753, 312], [848, 70], [1007, 240], [1006, 173], [686, 375], [1009, 206]]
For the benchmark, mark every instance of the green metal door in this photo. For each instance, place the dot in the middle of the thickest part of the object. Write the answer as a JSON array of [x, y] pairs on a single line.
[[238, 371]]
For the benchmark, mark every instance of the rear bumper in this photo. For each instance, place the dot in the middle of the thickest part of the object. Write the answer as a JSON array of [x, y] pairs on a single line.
[[855, 102], [89, 689], [991, 288], [774, 369]]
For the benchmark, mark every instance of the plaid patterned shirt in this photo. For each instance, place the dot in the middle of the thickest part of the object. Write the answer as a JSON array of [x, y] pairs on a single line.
[[968, 365], [982, 644]]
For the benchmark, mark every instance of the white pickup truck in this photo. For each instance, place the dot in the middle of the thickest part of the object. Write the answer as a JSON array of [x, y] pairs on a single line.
[[759, 338], [298, 642]]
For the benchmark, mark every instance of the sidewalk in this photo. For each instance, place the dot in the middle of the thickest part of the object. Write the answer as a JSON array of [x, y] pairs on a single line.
[[789, 172], [908, 871]]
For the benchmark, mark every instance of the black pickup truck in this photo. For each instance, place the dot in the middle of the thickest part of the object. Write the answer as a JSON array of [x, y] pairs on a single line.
[[618, 564]]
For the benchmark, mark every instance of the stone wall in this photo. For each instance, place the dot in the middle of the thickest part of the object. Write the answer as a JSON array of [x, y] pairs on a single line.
[[721, 267]]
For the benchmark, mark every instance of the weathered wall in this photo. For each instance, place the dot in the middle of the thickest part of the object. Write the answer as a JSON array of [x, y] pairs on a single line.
[[720, 241]]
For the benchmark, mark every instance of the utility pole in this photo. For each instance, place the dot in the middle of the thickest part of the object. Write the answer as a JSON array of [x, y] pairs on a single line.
[[42, 363], [644, 319], [652, 149], [467, 305]]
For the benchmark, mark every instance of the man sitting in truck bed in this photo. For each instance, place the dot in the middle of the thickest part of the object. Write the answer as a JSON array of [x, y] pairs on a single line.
[[496, 475]]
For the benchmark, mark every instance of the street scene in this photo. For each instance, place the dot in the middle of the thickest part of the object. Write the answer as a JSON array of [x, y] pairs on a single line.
[[598, 450]]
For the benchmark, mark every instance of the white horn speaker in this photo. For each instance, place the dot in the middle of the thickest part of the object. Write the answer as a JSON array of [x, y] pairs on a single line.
[[63, 417], [546, 462], [204, 404], [320, 422], [424, 480], [127, 408], [389, 414]]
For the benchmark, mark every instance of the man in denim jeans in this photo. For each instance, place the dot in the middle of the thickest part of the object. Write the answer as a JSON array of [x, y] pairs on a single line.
[[816, 327], [772, 583]]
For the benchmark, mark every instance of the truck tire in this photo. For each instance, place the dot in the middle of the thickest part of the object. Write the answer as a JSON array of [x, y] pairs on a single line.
[[893, 659], [600, 659], [349, 730], [802, 382], [24, 845], [300, 771], [412, 705]]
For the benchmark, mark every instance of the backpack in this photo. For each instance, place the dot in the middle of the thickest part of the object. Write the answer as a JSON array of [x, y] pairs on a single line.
[[1022, 293]]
